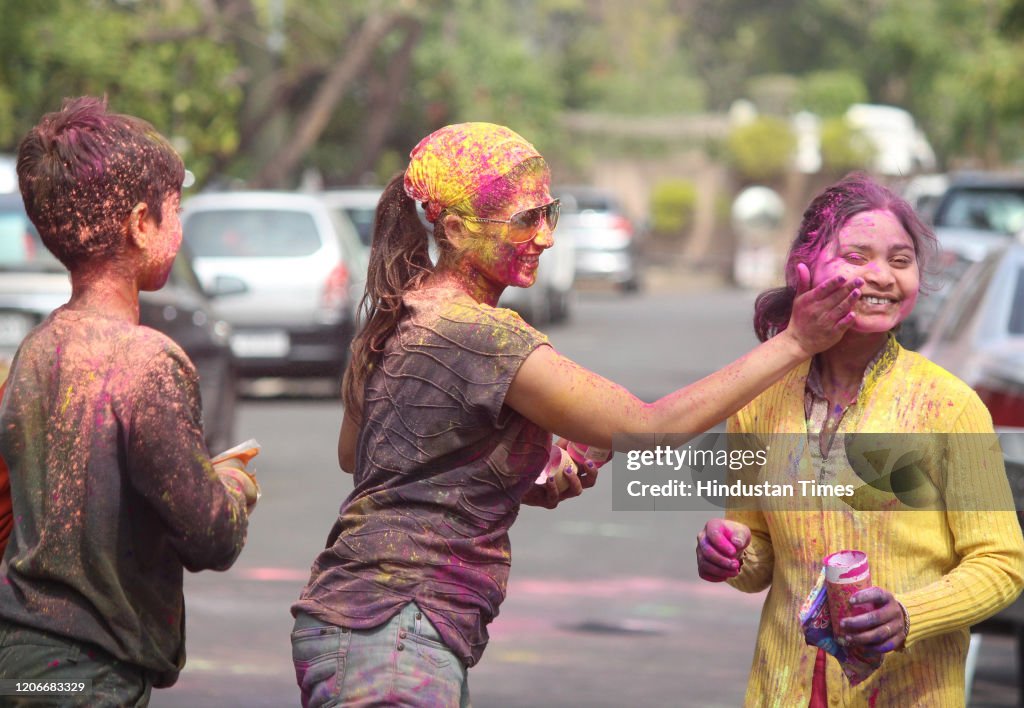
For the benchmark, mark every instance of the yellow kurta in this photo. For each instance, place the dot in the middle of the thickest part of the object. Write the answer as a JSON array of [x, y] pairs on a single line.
[[950, 566]]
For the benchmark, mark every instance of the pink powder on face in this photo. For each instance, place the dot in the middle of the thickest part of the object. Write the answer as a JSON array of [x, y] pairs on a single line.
[[874, 246]]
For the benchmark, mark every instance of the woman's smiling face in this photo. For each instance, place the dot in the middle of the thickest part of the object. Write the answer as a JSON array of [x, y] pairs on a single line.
[[874, 245], [491, 253]]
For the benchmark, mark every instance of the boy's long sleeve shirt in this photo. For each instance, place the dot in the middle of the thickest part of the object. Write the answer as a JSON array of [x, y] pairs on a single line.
[[112, 489]]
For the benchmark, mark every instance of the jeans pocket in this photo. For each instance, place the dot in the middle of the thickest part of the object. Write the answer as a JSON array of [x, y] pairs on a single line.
[[437, 653], [319, 656]]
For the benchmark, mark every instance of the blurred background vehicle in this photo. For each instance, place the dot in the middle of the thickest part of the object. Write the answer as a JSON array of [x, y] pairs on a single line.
[[298, 261], [33, 283], [8, 174], [604, 239], [900, 146], [979, 336], [977, 213], [923, 192], [359, 204]]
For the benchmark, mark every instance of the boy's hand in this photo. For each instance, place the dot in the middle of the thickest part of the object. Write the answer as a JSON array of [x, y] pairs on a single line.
[[235, 477]]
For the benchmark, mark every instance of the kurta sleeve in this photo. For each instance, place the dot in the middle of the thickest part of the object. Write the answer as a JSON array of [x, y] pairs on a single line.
[[985, 530]]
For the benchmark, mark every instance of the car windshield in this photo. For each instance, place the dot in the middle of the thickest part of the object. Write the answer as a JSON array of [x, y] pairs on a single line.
[[254, 233], [1000, 210], [20, 246]]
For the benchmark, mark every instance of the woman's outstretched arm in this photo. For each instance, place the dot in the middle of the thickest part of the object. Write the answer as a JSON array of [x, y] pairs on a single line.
[[572, 402]]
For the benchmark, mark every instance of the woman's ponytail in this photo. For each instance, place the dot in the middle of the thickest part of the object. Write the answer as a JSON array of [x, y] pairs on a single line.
[[399, 261]]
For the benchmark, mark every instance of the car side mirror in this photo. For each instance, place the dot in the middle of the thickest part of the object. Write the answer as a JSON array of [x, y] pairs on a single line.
[[224, 285]]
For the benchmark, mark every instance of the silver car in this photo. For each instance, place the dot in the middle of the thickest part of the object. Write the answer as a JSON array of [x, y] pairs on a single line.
[[979, 333], [604, 239], [296, 258], [359, 204], [978, 213]]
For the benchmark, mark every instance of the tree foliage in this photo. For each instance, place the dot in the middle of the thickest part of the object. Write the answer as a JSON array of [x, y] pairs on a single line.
[[259, 90], [762, 150], [673, 205], [829, 93]]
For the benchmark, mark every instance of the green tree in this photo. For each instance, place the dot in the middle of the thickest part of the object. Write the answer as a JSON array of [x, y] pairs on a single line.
[[673, 204], [763, 149], [830, 93], [843, 147]]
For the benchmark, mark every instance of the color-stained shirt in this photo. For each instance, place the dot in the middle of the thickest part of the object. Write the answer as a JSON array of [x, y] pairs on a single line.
[[6, 512], [441, 466], [940, 534], [112, 489]]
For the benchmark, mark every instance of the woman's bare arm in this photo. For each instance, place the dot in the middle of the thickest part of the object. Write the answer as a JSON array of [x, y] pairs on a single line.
[[563, 397]]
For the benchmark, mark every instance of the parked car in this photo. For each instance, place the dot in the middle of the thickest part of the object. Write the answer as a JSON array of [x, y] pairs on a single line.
[[296, 258], [977, 213], [33, 283], [923, 192], [604, 238], [979, 334], [8, 174], [359, 204]]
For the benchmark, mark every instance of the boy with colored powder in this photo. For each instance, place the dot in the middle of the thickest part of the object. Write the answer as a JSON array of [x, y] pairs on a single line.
[[112, 486]]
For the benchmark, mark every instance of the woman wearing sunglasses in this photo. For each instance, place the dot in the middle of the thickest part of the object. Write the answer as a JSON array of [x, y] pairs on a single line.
[[450, 406]]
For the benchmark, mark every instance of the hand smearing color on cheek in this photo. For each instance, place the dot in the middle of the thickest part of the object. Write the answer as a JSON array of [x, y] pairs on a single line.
[[874, 246]]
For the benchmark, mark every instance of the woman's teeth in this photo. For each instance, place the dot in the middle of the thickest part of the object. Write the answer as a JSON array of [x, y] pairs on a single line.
[[878, 300]]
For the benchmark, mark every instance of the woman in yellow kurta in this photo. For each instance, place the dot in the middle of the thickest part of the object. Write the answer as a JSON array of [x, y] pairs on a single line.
[[941, 536]]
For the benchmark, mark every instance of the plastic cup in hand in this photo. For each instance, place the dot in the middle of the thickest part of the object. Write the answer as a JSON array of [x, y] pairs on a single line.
[[559, 465], [846, 574]]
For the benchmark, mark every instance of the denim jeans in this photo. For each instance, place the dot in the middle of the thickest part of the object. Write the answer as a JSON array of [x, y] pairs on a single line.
[[403, 662], [30, 655]]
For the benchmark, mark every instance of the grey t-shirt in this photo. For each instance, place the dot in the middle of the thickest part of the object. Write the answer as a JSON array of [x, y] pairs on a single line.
[[441, 465], [112, 489]]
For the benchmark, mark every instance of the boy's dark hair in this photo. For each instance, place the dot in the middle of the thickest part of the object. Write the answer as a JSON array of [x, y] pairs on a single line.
[[82, 170]]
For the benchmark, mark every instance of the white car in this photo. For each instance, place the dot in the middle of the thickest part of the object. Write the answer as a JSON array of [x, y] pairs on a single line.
[[8, 174], [298, 261], [359, 204]]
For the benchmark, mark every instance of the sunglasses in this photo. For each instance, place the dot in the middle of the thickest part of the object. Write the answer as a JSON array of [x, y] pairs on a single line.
[[523, 225]]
